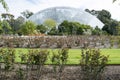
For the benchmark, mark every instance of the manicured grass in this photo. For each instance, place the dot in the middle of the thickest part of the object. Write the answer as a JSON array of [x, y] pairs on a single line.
[[74, 55], [114, 55]]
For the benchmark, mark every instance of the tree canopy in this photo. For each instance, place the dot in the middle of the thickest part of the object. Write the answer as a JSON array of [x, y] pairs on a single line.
[[111, 26], [27, 13], [5, 27], [49, 24], [28, 28], [4, 4], [72, 28]]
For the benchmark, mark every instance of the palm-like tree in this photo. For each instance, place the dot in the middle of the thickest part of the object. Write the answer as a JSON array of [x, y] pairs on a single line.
[[4, 4]]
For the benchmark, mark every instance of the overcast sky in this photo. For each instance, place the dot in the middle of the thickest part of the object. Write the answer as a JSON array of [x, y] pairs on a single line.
[[18, 6]]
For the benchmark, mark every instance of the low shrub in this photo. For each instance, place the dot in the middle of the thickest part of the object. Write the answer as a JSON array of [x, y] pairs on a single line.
[[8, 57], [59, 59], [92, 64]]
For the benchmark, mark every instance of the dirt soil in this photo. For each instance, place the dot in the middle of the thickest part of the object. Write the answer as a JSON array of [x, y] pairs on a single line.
[[111, 72]]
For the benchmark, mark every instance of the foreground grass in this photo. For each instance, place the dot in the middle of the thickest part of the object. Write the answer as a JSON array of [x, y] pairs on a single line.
[[74, 55]]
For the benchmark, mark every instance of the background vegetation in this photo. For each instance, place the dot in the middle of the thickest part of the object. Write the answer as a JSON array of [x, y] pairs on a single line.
[[10, 25]]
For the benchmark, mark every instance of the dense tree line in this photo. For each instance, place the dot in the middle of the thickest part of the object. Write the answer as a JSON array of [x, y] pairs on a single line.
[[21, 26], [10, 25], [111, 26]]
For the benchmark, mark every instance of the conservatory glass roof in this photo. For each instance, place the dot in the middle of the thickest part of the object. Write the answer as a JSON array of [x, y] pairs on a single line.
[[59, 14]]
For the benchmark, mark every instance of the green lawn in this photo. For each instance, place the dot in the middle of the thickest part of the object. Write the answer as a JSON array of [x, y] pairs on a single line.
[[74, 55], [114, 55]]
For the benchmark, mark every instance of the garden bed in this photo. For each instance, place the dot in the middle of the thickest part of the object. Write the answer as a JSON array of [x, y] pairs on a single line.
[[60, 41], [112, 72]]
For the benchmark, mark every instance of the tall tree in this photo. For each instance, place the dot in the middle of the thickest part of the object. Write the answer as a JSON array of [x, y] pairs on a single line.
[[49, 24], [17, 24], [72, 28], [4, 4], [41, 28], [110, 25], [5, 27], [28, 28], [27, 13], [7, 16]]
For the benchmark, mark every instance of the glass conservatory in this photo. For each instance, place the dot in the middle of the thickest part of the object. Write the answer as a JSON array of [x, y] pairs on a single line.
[[59, 14]]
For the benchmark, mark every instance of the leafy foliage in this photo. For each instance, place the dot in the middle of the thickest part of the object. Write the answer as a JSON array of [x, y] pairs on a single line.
[[27, 13], [8, 57], [111, 26], [5, 27], [92, 64], [53, 31], [4, 4], [28, 28], [98, 31], [37, 57], [17, 24], [49, 24], [59, 60], [72, 28], [41, 28]]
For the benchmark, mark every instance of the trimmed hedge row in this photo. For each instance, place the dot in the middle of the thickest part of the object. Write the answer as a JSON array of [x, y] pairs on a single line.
[[60, 41]]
